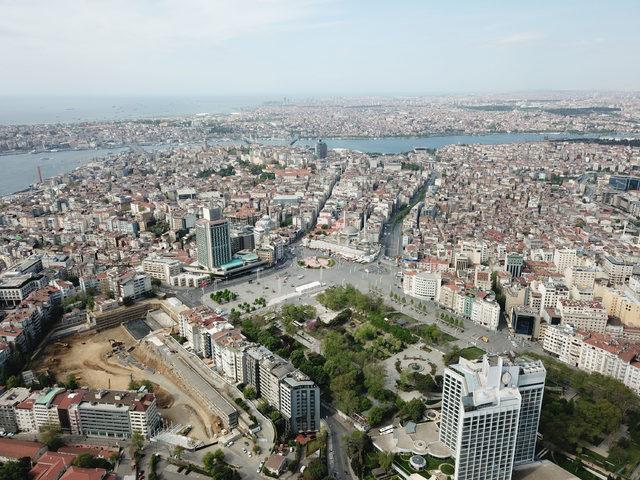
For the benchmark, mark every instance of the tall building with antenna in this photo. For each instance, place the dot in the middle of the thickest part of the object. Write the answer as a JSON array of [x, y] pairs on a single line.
[[490, 415]]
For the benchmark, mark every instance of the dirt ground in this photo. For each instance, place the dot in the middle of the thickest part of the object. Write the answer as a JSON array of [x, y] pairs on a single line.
[[91, 359]]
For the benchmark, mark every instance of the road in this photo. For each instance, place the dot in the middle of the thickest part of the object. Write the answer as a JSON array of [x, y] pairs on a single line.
[[338, 461]]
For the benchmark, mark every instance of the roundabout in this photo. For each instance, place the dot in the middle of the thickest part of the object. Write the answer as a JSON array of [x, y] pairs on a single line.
[[317, 262]]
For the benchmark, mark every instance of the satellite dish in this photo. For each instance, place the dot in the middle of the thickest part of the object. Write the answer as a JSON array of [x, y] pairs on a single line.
[[506, 378]]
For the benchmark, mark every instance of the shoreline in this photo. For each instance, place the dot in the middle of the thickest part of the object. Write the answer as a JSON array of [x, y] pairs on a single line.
[[605, 133], [101, 153]]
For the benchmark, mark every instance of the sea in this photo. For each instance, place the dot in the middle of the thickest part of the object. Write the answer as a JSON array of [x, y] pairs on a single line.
[[29, 110], [19, 171]]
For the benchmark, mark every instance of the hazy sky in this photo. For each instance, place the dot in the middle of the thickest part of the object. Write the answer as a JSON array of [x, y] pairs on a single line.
[[294, 47]]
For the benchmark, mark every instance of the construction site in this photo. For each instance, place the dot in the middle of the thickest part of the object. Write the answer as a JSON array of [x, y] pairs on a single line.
[[112, 359]]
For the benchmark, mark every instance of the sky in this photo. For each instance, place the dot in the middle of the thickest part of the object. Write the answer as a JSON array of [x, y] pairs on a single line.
[[316, 47]]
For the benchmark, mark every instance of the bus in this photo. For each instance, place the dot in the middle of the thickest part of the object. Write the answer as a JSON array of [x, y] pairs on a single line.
[[385, 430]]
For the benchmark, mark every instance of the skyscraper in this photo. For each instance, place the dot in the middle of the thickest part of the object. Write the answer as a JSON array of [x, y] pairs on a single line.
[[321, 149], [490, 414], [213, 243], [513, 263]]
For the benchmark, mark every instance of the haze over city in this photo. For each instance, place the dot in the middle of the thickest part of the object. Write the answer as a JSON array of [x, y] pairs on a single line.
[[319, 240], [316, 47]]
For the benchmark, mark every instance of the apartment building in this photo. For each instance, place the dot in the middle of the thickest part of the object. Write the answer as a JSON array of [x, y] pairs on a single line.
[[514, 263], [9, 400], [581, 277], [421, 285], [161, 268], [14, 289], [618, 269], [300, 402], [622, 302], [564, 258], [550, 293], [24, 414], [596, 352], [486, 313], [116, 414], [563, 342], [134, 286], [583, 315], [45, 411]]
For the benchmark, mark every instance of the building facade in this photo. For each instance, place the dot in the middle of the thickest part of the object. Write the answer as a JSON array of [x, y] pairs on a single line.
[[490, 415]]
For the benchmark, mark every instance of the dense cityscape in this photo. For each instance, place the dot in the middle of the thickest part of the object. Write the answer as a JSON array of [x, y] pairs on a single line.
[[319, 240], [240, 294]]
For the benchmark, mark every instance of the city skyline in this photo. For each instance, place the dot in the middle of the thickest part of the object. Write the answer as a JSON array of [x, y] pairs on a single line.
[[316, 47]]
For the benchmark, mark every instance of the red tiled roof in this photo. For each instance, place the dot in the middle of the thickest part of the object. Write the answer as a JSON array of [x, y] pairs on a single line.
[[51, 465], [77, 473], [10, 448], [66, 399], [102, 451]]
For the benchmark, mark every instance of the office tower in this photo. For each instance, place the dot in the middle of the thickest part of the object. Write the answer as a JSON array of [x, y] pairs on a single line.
[[321, 149], [531, 378], [490, 414], [213, 243], [211, 213], [513, 263], [624, 182]]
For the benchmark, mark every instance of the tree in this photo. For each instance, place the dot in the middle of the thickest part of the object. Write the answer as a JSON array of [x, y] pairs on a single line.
[[316, 470], [452, 356], [137, 443], [91, 303], [13, 381], [15, 470], [71, 382], [297, 357], [178, 451], [50, 435], [215, 466], [358, 445], [86, 460], [375, 416], [249, 392], [385, 459], [412, 410], [218, 455]]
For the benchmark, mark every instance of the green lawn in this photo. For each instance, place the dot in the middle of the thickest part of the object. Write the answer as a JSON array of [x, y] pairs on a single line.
[[472, 353], [402, 460]]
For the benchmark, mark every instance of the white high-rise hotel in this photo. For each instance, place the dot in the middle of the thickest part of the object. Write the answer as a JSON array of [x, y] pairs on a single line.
[[490, 415]]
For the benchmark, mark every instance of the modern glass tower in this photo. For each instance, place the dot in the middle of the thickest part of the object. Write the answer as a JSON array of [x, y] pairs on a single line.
[[490, 415], [213, 243]]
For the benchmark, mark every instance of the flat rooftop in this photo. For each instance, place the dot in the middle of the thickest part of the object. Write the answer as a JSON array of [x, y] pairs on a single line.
[[542, 470]]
